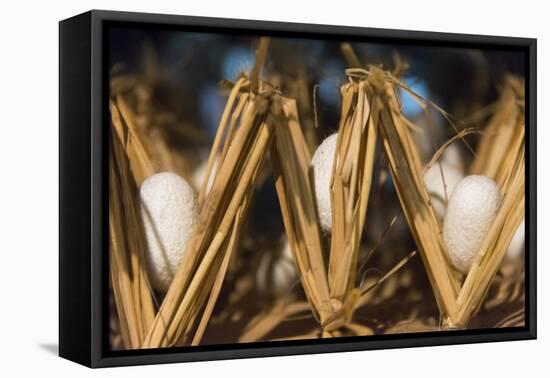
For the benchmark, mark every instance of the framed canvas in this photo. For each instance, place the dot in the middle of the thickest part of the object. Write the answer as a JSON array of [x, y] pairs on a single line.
[[234, 188]]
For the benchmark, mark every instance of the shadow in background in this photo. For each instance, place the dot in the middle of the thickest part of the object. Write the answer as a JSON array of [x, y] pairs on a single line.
[[51, 348]]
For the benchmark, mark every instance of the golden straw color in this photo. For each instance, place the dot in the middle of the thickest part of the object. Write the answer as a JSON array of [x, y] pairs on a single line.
[[131, 288], [458, 299], [332, 292], [123, 123], [197, 283], [501, 156], [260, 124]]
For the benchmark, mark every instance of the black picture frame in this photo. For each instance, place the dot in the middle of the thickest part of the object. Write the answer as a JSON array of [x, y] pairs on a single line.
[[83, 195]]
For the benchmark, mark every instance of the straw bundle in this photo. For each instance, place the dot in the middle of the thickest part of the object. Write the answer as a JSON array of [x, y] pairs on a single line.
[[501, 156], [132, 292], [457, 300], [246, 137], [332, 292], [124, 125], [146, 101]]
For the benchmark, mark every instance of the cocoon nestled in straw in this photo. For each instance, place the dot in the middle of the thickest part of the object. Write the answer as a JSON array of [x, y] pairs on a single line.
[[501, 157], [129, 164], [332, 290], [239, 149], [458, 299], [189, 302]]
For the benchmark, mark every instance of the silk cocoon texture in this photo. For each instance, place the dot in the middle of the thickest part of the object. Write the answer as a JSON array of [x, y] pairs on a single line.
[[169, 210], [322, 162], [471, 210]]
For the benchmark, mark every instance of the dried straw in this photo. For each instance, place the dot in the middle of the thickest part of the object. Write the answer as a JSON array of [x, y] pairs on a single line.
[[132, 292], [457, 302], [332, 292], [223, 206]]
